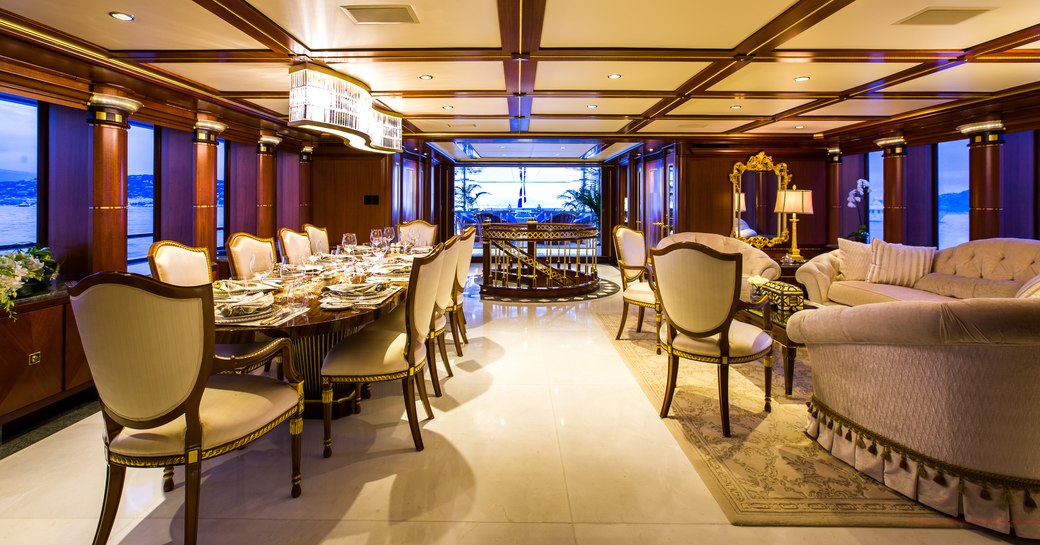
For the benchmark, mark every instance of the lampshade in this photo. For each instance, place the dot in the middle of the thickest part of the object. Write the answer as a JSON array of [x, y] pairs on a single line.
[[794, 201], [743, 203]]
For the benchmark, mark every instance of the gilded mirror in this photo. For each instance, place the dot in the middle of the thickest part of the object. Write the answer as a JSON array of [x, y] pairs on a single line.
[[755, 185]]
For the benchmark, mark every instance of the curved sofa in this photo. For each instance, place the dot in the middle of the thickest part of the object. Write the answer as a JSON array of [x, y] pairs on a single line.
[[937, 400], [753, 261]]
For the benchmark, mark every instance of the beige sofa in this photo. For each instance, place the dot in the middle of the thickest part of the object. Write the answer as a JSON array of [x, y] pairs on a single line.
[[753, 261], [996, 267], [937, 400]]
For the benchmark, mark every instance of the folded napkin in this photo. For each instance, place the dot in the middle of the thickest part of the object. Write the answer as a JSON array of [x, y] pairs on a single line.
[[392, 269], [332, 301], [368, 288], [250, 304]]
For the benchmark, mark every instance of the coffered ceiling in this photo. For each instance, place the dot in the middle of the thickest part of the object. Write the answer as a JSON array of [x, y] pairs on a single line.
[[579, 71]]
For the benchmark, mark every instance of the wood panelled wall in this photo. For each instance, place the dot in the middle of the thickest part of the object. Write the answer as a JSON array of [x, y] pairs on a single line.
[[1020, 185], [68, 188], [175, 176], [240, 189], [288, 195], [340, 182]]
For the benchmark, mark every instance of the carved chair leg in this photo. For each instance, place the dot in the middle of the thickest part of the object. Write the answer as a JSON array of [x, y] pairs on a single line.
[[624, 316], [296, 438], [669, 388], [461, 318], [453, 321], [432, 361], [444, 353], [192, 484], [113, 491], [167, 479], [409, 407], [767, 362], [724, 397], [421, 385], [657, 325], [639, 323], [326, 413]]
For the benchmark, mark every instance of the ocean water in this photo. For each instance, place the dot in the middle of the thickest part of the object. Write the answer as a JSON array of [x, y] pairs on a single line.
[[19, 224]]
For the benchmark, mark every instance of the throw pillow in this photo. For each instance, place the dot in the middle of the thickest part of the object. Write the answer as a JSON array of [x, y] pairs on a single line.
[[897, 264], [1030, 289], [855, 259]]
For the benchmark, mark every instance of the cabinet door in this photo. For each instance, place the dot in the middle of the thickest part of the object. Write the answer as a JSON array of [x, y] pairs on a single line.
[[76, 371], [31, 359]]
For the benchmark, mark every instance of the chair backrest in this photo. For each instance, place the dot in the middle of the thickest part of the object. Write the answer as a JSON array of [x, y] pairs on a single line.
[[241, 247], [422, 233], [422, 295], [149, 345], [698, 286], [447, 282], [755, 261], [296, 247], [466, 242], [180, 265], [319, 237], [631, 250]]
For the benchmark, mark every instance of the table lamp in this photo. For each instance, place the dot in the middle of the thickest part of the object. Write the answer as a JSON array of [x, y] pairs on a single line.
[[794, 202], [741, 206]]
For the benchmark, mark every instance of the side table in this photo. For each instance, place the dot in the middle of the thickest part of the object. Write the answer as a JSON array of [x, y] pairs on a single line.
[[785, 299]]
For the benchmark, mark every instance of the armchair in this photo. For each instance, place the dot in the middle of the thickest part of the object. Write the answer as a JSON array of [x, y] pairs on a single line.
[[296, 247], [319, 237], [421, 233], [249, 254], [636, 279]]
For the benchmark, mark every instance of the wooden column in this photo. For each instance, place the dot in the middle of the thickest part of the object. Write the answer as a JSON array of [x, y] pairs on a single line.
[[835, 200], [306, 157], [204, 232], [984, 151], [265, 186], [109, 115], [894, 153]]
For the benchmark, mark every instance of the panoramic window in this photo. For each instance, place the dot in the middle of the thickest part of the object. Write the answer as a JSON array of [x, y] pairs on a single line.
[[18, 188], [876, 208], [952, 160], [221, 164], [140, 196]]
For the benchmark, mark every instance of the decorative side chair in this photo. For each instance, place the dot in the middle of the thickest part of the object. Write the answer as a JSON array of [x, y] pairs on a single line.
[[296, 246], [420, 232], [456, 317], [319, 237], [699, 289], [375, 355], [249, 254], [637, 282], [149, 346], [180, 265]]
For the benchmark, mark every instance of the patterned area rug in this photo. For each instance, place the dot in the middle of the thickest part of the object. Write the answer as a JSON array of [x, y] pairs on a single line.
[[769, 473], [606, 289]]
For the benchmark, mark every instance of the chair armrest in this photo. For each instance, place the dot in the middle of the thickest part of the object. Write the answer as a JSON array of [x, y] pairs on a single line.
[[817, 275], [248, 356], [761, 303], [644, 272]]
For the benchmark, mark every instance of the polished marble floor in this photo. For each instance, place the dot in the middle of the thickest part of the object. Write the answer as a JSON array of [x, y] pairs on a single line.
[[542, 436]]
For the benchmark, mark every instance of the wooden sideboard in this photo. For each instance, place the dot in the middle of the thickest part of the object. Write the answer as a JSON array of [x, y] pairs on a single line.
[[42, 359]]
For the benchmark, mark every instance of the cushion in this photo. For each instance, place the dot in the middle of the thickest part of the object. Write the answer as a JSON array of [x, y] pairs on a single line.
[[966, 287], [859, 292], [898, 264], [371, 355], [640, 292], [744, 340], [855, 259], [1030, 289]]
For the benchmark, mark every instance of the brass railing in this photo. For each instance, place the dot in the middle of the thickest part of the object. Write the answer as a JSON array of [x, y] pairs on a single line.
[[539, 259]]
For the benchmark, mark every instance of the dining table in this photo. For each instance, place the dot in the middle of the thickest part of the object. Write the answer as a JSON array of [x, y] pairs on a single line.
[[301, 313]]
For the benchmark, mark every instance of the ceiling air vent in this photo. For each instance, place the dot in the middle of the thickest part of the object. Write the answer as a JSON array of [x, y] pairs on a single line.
[[942, 16], [383, 14]]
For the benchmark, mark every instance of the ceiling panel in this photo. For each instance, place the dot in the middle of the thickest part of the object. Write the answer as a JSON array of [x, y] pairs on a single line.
[[748, 106], [807, 128], [577, 125], [875, 106], [978, 77], [459, 106], [552, 150], [321, 24], [635, 76], [825, 77], [157, 25], [580, 106], [233, 76], [447, 76], [661, 23], [870, 24], [693, 125], [280, 105], [462, 125]]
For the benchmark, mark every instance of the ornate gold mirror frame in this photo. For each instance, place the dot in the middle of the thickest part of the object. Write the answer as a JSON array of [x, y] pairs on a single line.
[[759, 162]]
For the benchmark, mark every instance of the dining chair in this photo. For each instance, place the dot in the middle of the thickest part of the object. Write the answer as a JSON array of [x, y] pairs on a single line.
[[419, 232], [319, 237], [296, 246], [375, 355], [149, 347], [180, 265], [249, 254], [637, 281], [456, 316], [699, 289]]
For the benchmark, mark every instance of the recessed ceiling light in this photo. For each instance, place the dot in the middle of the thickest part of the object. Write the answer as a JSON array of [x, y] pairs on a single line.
[[802, 78], [735, 107], [592, 106], [799, 126], [425, 76], [651, 149], [121, 16], [447, 107], [613, 76]]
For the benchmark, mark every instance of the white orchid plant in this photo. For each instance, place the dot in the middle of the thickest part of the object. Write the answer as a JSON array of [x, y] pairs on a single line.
[[32, 268], [857, 196]]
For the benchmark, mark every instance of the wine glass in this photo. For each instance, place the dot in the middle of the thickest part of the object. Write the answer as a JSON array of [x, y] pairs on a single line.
[[375, 236], [388, 234], [349, 242]]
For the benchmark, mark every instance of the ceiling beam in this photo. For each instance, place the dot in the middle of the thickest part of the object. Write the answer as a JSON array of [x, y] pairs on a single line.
[[256, 25]]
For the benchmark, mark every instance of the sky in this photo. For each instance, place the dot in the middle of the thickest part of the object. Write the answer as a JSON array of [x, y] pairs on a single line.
[[543, 185], [18, 146]]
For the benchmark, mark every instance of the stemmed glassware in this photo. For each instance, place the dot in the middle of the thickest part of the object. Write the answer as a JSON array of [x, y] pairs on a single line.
[[349, 243], [388, 237]]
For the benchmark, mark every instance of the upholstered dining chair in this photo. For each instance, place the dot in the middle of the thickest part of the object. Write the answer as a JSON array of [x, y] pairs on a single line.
[[249, 254], [637, 282], [149, 347], [296, 246], [422, 233], [319, 237], [180, 265], [456, 316], [699, 289], [375, 355]]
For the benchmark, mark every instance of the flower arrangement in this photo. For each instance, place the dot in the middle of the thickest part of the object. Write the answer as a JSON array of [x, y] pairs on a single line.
[[856, 196], [24, 272]]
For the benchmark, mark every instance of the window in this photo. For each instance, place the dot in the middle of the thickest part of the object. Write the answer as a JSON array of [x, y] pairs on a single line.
[[140, 193], [221, 165], [18, 187], [876, 208], [952, 161]]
